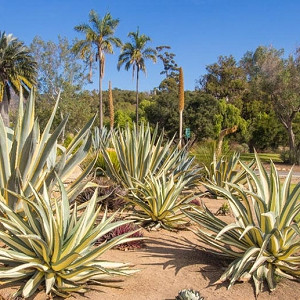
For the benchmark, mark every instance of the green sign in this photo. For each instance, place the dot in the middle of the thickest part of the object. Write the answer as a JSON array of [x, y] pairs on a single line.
[[188, 133]]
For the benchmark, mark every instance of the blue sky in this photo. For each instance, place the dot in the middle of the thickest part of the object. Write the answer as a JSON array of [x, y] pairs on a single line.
[[197, 30]]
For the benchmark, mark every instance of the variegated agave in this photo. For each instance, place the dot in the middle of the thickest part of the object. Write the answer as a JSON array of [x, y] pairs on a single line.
[[226, 170], [55, 246], [26, 155], [264, 240], [141, 153], [159, 201]]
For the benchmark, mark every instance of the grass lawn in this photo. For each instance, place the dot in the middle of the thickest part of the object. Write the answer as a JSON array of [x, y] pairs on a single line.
[[265, 157]]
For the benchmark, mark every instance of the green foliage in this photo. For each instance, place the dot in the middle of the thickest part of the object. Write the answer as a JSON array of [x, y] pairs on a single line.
[[123, 119], [188, 295], [99, 165], [229, 116], [225, 79], [78, 107], [28, 156], [17, 69], [57, 67], [54, 246], [264, 157], [167, 58], [163, 110], [200, 114], [225, 171], [264, 239], [134, 55]]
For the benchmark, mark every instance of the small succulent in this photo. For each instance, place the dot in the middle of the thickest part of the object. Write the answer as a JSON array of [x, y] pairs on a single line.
[[125, 228], [188, 294]]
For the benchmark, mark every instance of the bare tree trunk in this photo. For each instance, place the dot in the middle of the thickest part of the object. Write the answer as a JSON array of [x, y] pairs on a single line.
[[292, 144], [4, 109], [223, 133], [137, 97]]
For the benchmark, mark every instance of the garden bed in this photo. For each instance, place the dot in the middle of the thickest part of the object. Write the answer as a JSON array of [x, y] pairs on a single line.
[[172, 261]]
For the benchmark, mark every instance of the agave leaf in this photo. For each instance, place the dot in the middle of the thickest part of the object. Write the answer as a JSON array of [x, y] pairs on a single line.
[[32, 284]]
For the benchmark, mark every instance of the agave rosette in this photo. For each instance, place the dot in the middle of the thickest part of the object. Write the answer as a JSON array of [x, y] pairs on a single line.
[[141, 153], [26, 155], [264, 240], [159, 201], [56, 247], [226, 170]]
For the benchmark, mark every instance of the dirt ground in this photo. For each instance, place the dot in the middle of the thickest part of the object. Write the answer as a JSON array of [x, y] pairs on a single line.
[[172, 261]]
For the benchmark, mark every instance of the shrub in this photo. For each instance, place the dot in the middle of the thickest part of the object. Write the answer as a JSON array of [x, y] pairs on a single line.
[[264, 239], [56, 246], [100, 166]]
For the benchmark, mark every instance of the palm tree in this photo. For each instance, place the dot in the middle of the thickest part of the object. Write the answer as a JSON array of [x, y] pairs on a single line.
[[17, 68], [99, 36], [134, 54]]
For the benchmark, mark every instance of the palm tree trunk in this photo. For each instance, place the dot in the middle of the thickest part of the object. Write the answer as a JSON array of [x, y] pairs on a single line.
[[100, 97], [137, 97], [4, 105]]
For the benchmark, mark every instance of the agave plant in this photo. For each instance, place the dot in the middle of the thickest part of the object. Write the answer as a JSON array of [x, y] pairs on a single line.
[[141, 153], [159, 201], [26, 155], [55, 246], [224, 171], [264, 240], [101, 138], [188, 294]]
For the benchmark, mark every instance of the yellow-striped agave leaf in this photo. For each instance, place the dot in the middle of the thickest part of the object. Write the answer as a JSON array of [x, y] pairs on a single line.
[[30, 156], [264, 240], [55, 246]]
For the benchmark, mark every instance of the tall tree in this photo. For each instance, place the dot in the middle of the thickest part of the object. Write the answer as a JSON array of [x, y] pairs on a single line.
[[170, 66], [280, 79], [134, 54], [17, 68], [57, 67], [225, 79], [99, 37]]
